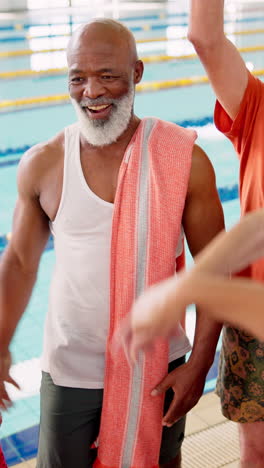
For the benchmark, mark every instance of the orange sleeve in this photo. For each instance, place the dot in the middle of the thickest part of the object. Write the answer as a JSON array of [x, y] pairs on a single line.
[[239, 131]]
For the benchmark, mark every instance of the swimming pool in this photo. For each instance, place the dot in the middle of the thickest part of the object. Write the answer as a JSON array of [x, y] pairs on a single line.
[[189, 106]]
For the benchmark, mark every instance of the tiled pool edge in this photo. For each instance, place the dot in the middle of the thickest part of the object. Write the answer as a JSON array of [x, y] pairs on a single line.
[[21, 446]]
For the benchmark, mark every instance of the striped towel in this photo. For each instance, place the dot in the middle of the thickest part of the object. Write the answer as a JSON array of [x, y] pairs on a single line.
[[150, 197]]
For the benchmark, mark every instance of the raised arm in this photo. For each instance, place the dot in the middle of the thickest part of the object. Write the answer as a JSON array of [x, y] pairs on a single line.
[[225, 67], [19, 263], [202, 220]]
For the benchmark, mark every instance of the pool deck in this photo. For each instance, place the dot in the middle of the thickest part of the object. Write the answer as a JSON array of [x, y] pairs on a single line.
[[211, 441]]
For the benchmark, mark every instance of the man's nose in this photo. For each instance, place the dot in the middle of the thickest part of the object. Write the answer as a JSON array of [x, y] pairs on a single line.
[[93, 88]]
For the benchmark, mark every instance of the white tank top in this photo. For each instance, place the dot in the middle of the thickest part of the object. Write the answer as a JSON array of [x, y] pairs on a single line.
[[77, 321]]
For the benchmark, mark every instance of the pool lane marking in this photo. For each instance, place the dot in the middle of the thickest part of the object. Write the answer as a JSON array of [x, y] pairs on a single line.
[[144, 27], [203, 125], [26, 52], [21, 26], [148, 86], [147, 60], [70, 23]]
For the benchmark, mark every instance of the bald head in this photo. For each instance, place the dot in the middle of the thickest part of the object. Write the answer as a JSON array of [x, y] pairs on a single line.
[[107, 31]]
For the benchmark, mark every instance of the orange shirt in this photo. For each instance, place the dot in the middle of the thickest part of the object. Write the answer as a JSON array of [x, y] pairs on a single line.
[[246, 133]]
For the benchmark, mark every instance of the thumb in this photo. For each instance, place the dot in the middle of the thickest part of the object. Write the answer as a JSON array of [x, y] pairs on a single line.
[[163, 386]]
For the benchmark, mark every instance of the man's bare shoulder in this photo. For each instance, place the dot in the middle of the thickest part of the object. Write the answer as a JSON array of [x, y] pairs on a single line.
[[38, 161], [200, 160], [45, 152], [202, 171]]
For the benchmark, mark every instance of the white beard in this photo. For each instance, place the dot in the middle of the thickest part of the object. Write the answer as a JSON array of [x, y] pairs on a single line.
[[102, 132]]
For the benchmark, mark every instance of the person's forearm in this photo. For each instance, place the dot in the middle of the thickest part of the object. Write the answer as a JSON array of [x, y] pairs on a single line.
[[16, 285], [238, 301], [206, 21], [232, 251]]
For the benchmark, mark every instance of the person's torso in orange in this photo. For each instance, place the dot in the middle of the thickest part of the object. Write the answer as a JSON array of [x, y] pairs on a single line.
[[246, 133]]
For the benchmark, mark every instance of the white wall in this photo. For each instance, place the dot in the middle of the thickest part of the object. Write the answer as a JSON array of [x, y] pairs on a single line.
[[9, 5]]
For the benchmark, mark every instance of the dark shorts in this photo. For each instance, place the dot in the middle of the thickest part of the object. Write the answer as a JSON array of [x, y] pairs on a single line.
[[240, 383], [70, 420]]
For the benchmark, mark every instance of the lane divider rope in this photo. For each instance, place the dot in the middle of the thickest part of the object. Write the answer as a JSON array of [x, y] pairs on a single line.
[[147, 60], [145, 27], [7, 105], [162, 15], [20, 26], [26, 52], [12, 151]]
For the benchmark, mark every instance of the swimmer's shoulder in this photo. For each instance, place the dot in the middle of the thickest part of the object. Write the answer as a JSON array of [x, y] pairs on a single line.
[[44, 152], [202, 172], [41, 159], [42, 156]]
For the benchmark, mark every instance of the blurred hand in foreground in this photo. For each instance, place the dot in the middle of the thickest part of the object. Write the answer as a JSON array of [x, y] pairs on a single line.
[[153, 315]]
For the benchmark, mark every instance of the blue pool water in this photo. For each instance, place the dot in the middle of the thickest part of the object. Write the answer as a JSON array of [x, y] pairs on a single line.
[[189, 106]]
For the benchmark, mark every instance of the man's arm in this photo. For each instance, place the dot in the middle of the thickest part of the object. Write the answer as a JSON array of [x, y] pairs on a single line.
[[202, 220], [19, 263], [224, 65]]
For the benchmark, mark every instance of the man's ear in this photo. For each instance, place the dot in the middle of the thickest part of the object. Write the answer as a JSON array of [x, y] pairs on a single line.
[[138, 71]]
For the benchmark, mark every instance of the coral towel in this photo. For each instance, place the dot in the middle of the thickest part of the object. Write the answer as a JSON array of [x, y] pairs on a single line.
[[150, 197]]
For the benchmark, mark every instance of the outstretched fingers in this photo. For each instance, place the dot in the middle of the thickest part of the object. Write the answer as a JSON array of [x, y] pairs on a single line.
[[5, 401]]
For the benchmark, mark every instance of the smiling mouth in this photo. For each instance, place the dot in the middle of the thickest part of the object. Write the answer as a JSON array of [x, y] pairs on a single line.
[[97, 109]]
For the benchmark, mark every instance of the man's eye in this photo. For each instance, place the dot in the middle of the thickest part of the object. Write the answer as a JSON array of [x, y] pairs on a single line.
[[108, 77], [76, 79]]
